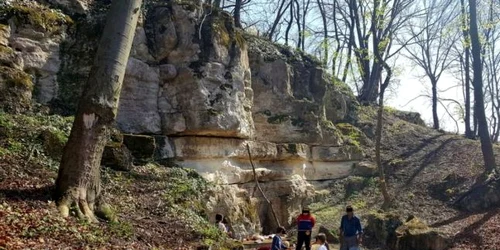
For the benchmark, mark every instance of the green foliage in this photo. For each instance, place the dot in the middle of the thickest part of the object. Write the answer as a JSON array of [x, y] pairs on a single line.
[[46, 134], [122, 229]]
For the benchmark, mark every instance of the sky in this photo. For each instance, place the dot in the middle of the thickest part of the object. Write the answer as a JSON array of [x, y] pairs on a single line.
[[411, 83]]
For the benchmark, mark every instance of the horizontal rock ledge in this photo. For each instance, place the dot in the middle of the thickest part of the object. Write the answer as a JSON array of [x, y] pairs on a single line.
[[235, 171], [197, 148]]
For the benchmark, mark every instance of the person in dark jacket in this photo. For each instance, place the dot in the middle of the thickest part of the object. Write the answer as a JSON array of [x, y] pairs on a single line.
[[305, 224], [351, 231]]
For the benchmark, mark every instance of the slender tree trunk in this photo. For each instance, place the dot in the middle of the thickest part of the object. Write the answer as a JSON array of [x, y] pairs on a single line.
[[299, 26], [325, 33], [216, 3], [378, 158], [486, 145], [290, 22], [78, 181], [435, 116], [237, 13], [380, 113], [465, 32], [279, 15]]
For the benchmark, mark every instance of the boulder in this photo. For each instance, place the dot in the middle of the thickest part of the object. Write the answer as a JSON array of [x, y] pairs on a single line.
[[331, 237], [354, 184], [416, 235], [382, 227], [482, 197], [142, 147], [365, 169], [117, 157], [53, 141], [15, 90]]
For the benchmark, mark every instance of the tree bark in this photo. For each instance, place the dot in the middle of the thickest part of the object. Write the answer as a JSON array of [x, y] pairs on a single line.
[[380, 113], [277, 20], [378, 158], [435, 116], [479, 110], [325, 33], [237, 13], [465, 32], [78, 182]]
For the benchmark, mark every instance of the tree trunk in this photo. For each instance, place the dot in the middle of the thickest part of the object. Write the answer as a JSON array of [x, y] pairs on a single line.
[[325, 33], [465, 32], [380, 113], [78, 181], [435, 116], [277, 20], [216, 4], [290, 22], [237, 13], [479, 110], [378, 158]]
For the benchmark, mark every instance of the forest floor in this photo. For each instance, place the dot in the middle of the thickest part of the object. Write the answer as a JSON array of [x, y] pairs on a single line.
[[152, 213], [427, 170]]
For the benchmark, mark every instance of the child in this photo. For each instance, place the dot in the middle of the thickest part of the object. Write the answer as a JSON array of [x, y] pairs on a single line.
[[277, 242], [321, 241], [317, 243], [219, 224]]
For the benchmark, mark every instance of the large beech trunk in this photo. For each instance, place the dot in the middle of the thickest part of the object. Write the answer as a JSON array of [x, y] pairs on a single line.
[[78, 182]]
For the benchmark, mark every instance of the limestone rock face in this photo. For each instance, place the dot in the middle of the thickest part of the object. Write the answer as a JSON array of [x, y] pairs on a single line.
[[196, 92], [205, 76], [35, 49], [290, 90], [138, 108], [77, 6]]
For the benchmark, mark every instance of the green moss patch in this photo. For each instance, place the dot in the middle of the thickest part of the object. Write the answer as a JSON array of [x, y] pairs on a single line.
[[14, 78], [351, 133], [39, 17]]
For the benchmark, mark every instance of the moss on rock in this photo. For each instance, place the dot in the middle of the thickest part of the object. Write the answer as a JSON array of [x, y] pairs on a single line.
[[53, 141], [39, 17], [15, 90]]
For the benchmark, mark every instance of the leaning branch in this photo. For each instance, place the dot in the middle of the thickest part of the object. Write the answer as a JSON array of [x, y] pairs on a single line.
[[260, 189]]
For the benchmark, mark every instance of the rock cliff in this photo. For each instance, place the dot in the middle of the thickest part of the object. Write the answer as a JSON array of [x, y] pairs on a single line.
[[197, 91]]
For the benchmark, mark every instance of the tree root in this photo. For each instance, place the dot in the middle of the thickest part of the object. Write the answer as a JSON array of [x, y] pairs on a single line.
[[77, 201]]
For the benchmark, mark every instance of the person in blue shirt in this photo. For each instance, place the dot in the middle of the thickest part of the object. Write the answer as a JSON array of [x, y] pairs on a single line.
[[351, 231], [277, 242]]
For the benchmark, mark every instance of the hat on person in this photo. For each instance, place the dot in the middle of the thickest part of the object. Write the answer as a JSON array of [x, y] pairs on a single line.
[[349, 209]]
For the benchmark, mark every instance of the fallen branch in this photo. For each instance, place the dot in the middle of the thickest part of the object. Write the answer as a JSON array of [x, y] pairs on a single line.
[[260, 189]]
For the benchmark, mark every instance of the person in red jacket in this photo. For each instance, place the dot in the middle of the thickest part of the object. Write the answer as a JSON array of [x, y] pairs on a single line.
[[305, 224]]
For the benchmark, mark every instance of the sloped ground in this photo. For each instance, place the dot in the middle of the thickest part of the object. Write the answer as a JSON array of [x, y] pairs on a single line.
[[157, 207], [427, 171]]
